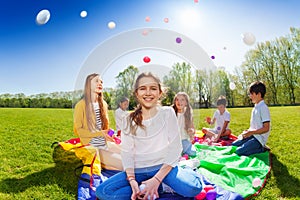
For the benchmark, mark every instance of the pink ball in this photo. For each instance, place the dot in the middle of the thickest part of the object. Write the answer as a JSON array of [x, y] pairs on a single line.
[[211, 195], [256, 182], [201, 195], [117, 140]]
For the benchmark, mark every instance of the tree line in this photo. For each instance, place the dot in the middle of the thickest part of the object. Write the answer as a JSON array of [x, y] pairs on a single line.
[[43, 100], [276, 63]]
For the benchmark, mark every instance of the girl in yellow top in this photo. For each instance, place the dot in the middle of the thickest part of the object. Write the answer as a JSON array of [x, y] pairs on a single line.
[[91, 122]]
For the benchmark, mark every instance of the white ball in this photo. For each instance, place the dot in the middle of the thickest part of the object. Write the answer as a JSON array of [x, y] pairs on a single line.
[[111, 25], [142, 187], [83, 14], [231, 85], [248, 38], [240, 137], [43, 17]]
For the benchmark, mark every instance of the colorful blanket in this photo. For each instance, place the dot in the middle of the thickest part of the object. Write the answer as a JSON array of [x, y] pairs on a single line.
[[221, 166], [231, 176]]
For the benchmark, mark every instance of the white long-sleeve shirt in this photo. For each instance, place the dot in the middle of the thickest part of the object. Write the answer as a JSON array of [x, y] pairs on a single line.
[[159, 143], [119, 115]]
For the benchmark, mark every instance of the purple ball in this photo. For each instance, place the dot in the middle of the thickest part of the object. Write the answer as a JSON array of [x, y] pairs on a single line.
[[110, 132], [211, 195], [178, 40]]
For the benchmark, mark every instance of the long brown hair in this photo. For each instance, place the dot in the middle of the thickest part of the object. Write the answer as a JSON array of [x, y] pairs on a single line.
[[188, 118], [135, 117], [89, 106]]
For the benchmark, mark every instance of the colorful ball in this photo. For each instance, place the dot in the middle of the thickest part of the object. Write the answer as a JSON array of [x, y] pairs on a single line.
[[201, 195], [248, 38], [178, 40], [146, 59], [110, 132], [211, 195], [111, 25], [83, 14], [256, 182], [208, 119], [142, 187], [43, 17], [232, 85], [208, 188]]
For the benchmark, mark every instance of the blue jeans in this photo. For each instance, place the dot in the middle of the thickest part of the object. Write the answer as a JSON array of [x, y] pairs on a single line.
[[187, 148], [185, 182], [248, 146]]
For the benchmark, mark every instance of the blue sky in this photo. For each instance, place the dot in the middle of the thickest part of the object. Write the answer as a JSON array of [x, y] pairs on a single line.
[[48, 58]]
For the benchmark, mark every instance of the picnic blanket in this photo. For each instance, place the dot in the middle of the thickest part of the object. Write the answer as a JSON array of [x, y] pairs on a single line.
[[222, 167], [230, 175]]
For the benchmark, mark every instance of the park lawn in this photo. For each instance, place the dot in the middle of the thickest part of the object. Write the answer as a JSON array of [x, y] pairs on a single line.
[[32, 169]]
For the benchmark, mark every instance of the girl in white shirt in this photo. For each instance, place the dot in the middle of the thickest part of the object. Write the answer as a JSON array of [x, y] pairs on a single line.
[[151, 148], [184, 113]]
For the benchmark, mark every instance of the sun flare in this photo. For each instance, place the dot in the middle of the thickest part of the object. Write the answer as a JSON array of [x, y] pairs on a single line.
[[189, 17]]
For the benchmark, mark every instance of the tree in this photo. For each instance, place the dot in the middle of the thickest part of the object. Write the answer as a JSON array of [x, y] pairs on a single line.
[[221, 85], [289, 62], [244, 79], [180, 79], [125, 81], [270, 71]]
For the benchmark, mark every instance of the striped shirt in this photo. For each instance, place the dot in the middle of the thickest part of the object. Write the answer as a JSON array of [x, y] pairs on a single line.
[[98, 119], [98, 142]]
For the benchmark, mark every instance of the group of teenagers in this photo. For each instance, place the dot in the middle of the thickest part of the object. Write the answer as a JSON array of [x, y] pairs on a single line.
[[154, 137]]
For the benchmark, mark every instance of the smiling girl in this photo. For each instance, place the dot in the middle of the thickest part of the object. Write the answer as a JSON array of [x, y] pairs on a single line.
[[151, 148]]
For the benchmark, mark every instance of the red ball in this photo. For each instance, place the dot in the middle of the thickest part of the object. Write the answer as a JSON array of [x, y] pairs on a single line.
[[208, 188], [201, 195], [146, 59]]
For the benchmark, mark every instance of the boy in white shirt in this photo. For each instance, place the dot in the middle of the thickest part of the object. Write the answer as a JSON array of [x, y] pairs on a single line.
[[121, 112], [221, 120], [254, 139]]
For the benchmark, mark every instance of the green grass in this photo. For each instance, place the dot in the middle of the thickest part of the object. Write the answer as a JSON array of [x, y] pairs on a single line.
[[31, 169]]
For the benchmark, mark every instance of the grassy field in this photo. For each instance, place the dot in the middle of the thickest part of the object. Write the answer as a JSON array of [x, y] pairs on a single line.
[[31, 169]]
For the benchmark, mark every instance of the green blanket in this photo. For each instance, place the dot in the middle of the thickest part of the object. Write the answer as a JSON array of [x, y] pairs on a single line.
[[223, 167]]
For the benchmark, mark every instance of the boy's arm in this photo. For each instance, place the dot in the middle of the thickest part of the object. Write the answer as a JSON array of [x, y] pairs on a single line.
[[224, 128], [222, 131], [213, 121], [264, 129]]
